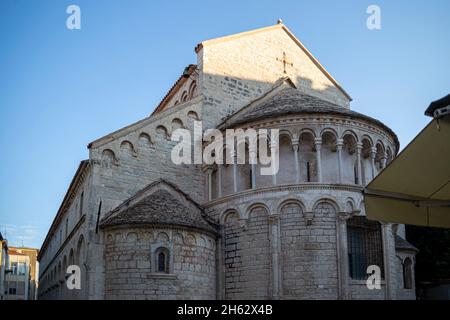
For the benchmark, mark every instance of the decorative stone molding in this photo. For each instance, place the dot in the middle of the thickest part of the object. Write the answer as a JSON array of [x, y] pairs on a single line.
[[251, 193]]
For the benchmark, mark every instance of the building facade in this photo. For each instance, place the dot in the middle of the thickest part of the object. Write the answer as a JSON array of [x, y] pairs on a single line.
[[21, 279], [140, 226]]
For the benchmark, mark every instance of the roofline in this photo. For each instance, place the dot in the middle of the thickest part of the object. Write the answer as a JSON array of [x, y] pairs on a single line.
[[141, 123], [336, 111], [143, 190], [290, 34], [162, 225], [82, 167], [189, 70], [437, 104], [273, 90]]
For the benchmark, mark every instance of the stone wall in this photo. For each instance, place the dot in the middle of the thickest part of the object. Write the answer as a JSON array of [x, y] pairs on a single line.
[[309, 261], [247, 256], [129, 273]]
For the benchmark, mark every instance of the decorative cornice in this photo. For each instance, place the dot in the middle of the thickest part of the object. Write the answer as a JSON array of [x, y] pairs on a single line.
[[78, 179], [281, 188]]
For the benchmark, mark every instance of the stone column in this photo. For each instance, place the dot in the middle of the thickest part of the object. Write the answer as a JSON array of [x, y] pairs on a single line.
[[253, 160], [219, 180], [296, 164], [386, 231], [358, 162], [318, 145], [339, 145], [209, 172], [373, 154], [383, 161], [275, 249], [274, 149], [235, 188], [342, 253]]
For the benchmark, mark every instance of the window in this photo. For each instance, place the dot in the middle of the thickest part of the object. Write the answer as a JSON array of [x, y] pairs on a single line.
[[364, 246], [12, 291], [14, 268], [162, 260], [22, 267], [407, 274], [67, 226], [308, 172]]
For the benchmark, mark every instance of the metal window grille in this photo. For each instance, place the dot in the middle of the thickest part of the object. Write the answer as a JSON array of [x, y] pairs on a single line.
[[364, 247]]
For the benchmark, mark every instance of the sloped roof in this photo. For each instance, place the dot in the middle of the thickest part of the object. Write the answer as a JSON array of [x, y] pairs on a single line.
[[443, 102], [289, 101], [160, 203], [402, 244]]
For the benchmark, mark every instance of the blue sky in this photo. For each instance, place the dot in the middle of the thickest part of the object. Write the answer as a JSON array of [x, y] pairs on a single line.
[[61, 89]]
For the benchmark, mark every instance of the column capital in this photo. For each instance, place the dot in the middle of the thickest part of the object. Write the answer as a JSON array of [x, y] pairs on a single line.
[[208, 168], [243, 223], [309, 217], [317, 141], [344, 216], [339, 143], [373, 153], [274, 218], [252, 148]]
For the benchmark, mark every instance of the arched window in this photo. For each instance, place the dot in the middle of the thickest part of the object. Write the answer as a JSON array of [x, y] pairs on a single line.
[[192, 89], [407, 273], [162, 260], [184, 96], [364, 246]]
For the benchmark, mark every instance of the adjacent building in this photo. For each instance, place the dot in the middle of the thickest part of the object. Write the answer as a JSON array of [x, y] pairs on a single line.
[[4, 262], [21, 278]]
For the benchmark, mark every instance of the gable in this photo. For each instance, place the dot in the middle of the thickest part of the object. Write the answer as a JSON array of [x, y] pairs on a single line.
[[160, 203], [184, 89], [255, 59]]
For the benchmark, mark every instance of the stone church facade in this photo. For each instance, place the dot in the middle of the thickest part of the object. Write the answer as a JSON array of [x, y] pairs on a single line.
[[141, 227]]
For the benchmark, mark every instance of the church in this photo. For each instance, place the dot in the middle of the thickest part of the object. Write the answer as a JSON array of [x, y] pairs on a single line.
[[141, 227]]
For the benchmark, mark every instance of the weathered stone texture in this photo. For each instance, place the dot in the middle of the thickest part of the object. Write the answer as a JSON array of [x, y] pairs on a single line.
[[129, 272]]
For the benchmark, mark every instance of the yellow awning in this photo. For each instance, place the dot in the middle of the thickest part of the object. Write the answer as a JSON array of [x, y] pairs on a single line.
[[415, 187]]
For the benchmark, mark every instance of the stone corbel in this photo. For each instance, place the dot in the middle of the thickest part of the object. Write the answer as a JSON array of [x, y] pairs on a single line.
[[344, 216], [243, 223], [274, 218], [309, 217], [95, 162]]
